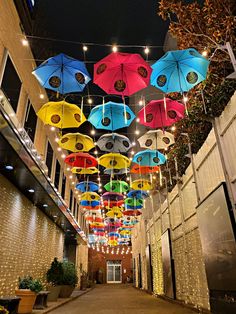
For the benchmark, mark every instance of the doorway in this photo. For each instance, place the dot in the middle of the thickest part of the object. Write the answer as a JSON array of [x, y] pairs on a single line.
[[114, 272]]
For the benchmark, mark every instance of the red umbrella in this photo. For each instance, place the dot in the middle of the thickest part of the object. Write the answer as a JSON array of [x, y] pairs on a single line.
[[161, 113], [83, 160], [132, 212], [113, 203], [143, 169], [122, 73]]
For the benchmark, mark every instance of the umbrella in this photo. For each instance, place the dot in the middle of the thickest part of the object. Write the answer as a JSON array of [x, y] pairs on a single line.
[[132, 212], [130, 221], [87, 186], [137, 194], [125, 232], [112, 196], [99, 233], [134, 201], [61, 114], [79, 170], [90, 205], [90, 196], [110, 203], [111, 116], [156, 140], [113, 234], [76, 142], [160, 113], [112, 242], [116, 171], [115, 208], [149, 158], [179, 70], [83, 160], [141, 184], [114, 143], [117, 186], [114, 214], [97, 225], [62, 74], [114, 160], [143, 169], [122, 73], [112, 222]]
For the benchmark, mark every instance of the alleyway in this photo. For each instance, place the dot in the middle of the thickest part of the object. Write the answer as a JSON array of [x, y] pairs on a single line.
[[120, 299]]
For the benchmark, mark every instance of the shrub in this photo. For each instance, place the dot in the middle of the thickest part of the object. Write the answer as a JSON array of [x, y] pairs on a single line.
[[28, 282], [69, 274], [55, 273]]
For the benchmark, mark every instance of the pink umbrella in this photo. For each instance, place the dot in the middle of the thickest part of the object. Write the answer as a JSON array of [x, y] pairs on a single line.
[[161, 113], [122, 73]]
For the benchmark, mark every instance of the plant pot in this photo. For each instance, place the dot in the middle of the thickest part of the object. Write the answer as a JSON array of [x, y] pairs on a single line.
[[28, 298], [54, 293], [66, 291]]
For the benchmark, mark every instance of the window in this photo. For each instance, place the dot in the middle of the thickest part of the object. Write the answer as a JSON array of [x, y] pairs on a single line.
[[11, 84], [63, 186], [57, 174], [49, 158], [71, 200], [30, 121]]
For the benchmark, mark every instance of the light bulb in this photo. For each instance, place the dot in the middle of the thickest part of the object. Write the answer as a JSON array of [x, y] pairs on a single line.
[[95, 152], [24, 42], [90, 101], [147, 50], [114, 48], [140, 102], [52, 128], [138, 120], [133, 143], [41, 96], [92, 132], [173, 128], [85, 48], [63, 156], [57, 139], [204, 53], [137, 132], [59, 149], [68, 168], [185, 98]]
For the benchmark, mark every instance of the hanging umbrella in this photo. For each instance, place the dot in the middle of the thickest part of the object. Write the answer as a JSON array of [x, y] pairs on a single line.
[[112, 242], [112, 196], [156, 140], [79, 170], [114, 161], [117, 186], [90, 196], [111, 222], [122, 73], [114, 214], [111, 116], [137, 194], [114, 143], [149, 158], [179, 70], [132, 212], [125, 232], [97, 225], [130, 221], [128, 207], [114, 208], [61, 114], [109, 203], [116, 171], [62, 74], [134, 201], [88, 204], [83, 160], [76, 142], [99, 233], [142, 184], [144, 169], [87, 186], [160, 113]]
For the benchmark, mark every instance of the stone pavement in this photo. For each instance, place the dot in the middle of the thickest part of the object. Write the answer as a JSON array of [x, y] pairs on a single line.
[[120, 299]]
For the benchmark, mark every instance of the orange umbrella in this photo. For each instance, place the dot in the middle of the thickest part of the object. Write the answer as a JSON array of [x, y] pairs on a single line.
[[144, 169]]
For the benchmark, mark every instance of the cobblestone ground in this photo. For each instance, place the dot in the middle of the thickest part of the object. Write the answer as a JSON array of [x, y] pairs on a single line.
[[120, 299]]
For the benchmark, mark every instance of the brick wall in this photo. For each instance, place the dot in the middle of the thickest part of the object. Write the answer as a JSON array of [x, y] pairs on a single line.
[[98, 261], [29, 240]]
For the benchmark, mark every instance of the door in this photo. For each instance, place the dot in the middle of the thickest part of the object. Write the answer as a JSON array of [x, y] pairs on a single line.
[[114, 272]]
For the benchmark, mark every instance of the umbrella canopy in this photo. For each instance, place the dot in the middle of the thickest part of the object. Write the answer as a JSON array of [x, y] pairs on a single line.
[[90, 196], [137, 194], [83, 160], [111, 116], [114, 214], [134, 201], [156, 140], [130, 221], [132, 212], [61, 114], [117, 186], [179, 70], [112, 222], [125, 232], [116, 171], [149, 158], [79, 170], [76, 142], [144, 169], [122, 73], [97, 225], [112, 196], [109, 203], [115, 208], [142, 184], [112, 242], [114, 160], [160, 113], [114, 143], [87, 186], [90, 204], [62, 74]]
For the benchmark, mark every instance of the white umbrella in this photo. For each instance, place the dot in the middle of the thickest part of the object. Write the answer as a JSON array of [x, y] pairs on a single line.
[[156, 139]]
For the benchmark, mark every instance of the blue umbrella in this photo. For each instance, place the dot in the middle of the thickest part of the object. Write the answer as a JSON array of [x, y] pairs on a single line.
[[133, 207], [88, 203], [137, 194], [113, 234], [179, 70], [87, 186], [62, 74], [111, 116], [149, 158]]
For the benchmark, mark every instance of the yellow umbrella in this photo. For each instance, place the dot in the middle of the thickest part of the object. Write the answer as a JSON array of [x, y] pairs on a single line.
[[90, 196], [125, 232], [115, 208], [76, 142], [61, 114], [112, 242], [114, 214], [142, 184], [79, 170], [114, 161]]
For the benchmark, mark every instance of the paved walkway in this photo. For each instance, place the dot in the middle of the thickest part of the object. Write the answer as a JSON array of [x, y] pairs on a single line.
[[120, 299]]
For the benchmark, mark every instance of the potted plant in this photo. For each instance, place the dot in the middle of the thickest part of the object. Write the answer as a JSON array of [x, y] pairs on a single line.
[[69, 280], [54, 278], [27, 291], [3, 310]]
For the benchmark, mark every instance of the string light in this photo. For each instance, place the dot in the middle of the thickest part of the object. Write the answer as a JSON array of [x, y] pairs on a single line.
[[63, 156], [52, 128], [57, 139], [147, 50], [90, 101], [59, 149], [114, 48], [133, 143], [138, 120], [185, 99], [173, 128], [204, 53], [68, 168], [92, 132], [85, 48], [25, 42], [41, 96], [95, 152], [137, 132], [140, 102]]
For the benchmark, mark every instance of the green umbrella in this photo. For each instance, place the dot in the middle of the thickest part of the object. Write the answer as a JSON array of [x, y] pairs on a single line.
[[134, 201], [117, 186]]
